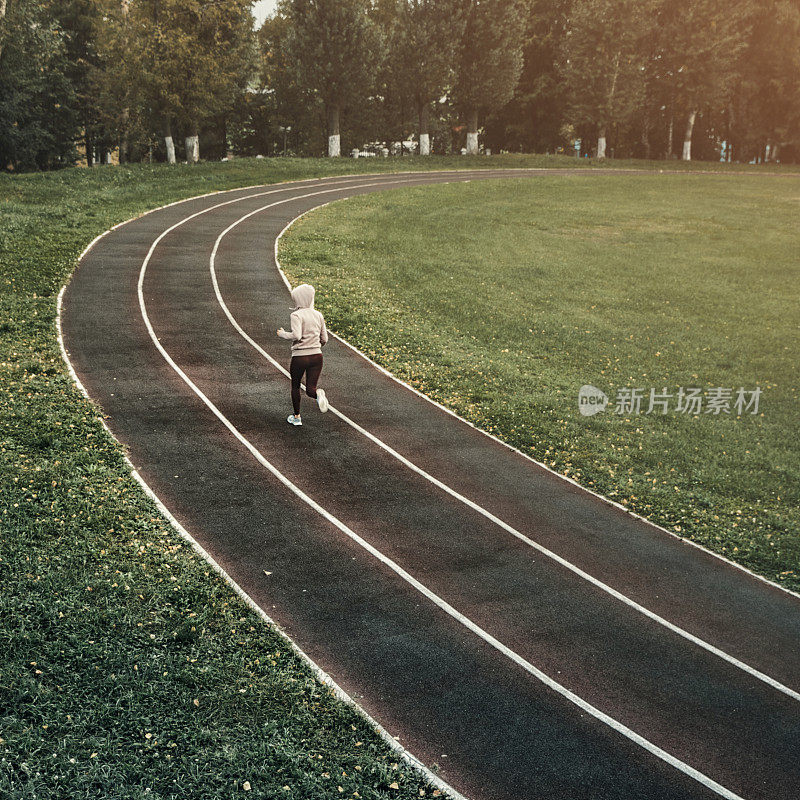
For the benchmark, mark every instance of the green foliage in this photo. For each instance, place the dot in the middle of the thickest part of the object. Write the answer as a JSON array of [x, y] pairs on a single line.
[[38, 104], [80, 21], [603, 60], [424, 46], [533, 118], [195, 55], [335, 48], [490, 56], [285, 101], [766, 105], [114, 74], [701, 41], [166, 62], [117, 84]]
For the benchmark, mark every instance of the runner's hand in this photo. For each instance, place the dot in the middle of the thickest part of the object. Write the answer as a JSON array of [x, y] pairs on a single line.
[[281, 331]]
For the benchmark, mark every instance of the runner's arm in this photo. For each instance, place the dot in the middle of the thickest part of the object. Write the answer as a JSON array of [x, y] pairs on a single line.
[[296, 333]]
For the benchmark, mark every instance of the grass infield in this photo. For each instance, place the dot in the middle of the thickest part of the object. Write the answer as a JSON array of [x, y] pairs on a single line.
[[128, 669], [500, 299]]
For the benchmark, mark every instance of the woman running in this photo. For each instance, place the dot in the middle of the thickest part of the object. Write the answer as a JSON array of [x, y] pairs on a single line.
[[308, 336]]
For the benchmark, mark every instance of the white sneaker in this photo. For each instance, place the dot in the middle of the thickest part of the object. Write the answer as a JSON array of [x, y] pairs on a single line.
[[322, 401], [294, 420]]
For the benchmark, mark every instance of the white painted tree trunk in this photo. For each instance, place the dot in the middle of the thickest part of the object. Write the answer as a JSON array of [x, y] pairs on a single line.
[[687, 139], [124, 144], [193, 149], [601, 145], [2, 14], [472, 133], [334, 141], [424, 137], [170, 149], [670, 136]]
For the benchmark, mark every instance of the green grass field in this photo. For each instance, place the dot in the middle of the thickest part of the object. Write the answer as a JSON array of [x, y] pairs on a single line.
[[127, 668], [501, 299]]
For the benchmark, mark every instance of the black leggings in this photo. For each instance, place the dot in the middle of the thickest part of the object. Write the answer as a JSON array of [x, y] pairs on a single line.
[[312, 367]]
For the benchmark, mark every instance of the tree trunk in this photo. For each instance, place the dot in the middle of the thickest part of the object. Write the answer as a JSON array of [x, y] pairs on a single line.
[[687, 138], [472, 133], [224, 132], [670, 136], [2, 15], [170, 145], [424, 138], [193, 145], [334, 141], [775, 151], [124, 144], [646, 128], [729, 133], [601, 143], [88, 145]]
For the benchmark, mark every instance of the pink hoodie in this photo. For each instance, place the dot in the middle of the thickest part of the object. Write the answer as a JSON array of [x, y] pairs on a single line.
[[308, 332]]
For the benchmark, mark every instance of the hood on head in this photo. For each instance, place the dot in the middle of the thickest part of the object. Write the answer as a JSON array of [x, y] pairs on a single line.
[[303, 296]]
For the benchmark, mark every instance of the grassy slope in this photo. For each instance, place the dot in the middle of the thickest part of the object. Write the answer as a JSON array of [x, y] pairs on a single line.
[[127, 668], [525, 291]]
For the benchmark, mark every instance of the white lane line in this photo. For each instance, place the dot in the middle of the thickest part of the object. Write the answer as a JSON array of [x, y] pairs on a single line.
[[484, 512], [683, 767]]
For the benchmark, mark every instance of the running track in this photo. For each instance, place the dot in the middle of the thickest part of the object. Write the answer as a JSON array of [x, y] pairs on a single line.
[[531, 639]]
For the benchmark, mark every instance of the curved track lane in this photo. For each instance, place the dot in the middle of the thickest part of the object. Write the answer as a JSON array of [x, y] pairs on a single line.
[[531, 639]]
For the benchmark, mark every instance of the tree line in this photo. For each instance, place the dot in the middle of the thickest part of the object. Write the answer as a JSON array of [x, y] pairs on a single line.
[[144, 80]]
